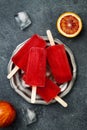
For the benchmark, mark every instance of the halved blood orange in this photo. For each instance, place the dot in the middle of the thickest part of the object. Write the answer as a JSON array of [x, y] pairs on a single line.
[[69, 24]]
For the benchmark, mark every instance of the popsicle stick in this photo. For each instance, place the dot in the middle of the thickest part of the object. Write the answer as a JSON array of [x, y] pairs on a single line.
[[15, 69], [33, 94], [50, 37], [61, 101]]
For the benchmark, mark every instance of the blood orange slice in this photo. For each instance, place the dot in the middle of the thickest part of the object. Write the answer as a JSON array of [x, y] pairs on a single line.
[[69, 24]]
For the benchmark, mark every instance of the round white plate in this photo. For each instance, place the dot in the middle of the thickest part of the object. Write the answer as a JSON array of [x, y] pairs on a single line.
[[19, 86]]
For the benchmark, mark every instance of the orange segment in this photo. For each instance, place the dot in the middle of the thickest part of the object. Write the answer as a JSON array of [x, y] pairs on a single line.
[[69, 24]]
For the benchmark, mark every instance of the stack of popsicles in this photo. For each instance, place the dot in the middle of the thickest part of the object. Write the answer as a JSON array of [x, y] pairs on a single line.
[[32, 57]]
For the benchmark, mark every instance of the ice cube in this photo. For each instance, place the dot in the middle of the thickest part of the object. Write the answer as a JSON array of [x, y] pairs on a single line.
[[29, 115], [23, 20], [63, 86], [24, 84]]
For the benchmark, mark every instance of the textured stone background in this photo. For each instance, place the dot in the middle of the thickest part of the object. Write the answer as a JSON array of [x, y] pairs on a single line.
[[44, 14]]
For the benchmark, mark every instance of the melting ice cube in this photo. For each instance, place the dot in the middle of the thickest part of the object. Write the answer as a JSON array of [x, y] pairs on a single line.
[[22, 19]]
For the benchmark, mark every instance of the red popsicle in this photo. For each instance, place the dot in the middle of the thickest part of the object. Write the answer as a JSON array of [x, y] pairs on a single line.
[[58, 61], [21, 57], [36, 69], [50, 92]]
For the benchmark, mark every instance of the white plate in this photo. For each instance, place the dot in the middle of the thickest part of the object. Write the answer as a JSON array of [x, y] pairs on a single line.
[[18, 85]]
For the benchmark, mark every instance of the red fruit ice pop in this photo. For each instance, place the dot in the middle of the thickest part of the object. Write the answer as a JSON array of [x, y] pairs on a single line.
[[36, 69], [58, 61], [50, 92], [21, 57]]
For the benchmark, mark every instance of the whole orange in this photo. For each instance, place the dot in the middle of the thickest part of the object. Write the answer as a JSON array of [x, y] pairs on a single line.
[[7, 114]]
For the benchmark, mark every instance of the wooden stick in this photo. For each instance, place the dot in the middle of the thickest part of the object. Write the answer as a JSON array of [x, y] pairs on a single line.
[[15, 69], [50, 37], [57, 98], [61, 101], [33, 94]]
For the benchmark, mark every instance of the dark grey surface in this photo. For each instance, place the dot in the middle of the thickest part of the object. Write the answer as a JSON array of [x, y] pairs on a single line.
[[44, 14]]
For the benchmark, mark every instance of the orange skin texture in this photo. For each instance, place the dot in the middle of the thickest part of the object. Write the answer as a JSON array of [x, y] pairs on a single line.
[[7, 114]]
